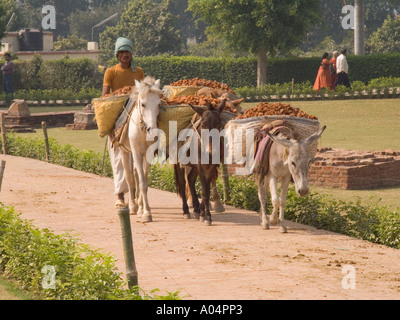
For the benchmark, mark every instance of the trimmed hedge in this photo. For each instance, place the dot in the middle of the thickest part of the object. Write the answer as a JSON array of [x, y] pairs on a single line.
[[66, 73], [83, 73], [243, 71]]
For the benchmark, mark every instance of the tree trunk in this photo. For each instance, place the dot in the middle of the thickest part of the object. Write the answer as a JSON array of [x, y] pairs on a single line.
[[261, 68], [359, 46]]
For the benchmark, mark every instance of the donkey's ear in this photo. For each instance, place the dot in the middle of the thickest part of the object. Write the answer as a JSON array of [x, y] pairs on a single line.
[[315, 136], [284, 142], [197, 109], [158, 83], [221, 106], [137, 83]]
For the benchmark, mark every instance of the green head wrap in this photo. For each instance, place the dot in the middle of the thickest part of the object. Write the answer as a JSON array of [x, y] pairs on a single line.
[[124, 44]]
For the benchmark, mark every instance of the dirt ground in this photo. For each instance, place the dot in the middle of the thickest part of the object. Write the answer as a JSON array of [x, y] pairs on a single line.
[[234, 259]]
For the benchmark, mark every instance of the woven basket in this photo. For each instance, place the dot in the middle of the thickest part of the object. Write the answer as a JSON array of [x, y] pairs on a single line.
[[173, 91], [183, 115], [301, 126], [106, 112]]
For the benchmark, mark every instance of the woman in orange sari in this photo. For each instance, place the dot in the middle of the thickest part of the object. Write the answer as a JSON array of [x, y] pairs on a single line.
[[323, 79]]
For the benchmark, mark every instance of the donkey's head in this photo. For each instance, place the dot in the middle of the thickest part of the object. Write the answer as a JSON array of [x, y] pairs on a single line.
[[299, 159], [210, 117], [210, 127]]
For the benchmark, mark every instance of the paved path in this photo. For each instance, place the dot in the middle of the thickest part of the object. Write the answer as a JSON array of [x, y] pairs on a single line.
[[233, 259]]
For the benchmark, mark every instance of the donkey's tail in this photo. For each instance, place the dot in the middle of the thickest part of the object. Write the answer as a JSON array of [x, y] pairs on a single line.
[[180, 182]]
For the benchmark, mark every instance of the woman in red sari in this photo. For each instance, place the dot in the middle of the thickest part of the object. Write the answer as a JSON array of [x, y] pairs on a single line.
[[323, 79]]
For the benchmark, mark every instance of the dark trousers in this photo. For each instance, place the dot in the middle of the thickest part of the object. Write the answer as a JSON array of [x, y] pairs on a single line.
[[342, 79], [7, 84]]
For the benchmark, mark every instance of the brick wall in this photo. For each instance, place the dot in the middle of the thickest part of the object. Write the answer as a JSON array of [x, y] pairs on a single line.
[[355, 170], [53, 119]]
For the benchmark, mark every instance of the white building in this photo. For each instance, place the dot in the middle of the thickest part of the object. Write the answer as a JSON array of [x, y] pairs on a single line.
[[26, 43]]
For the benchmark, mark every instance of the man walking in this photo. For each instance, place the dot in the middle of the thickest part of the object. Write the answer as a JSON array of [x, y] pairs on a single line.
[[342, 70], [123, 74], [8, 69]]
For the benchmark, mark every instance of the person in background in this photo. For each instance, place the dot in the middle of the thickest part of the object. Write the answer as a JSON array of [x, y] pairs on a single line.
[[8, 70], [323, 79], [342, 70], [123, 74], [333, 69]]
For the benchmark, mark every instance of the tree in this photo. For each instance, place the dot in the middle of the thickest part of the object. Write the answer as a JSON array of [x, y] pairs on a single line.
[[258, 26], [387, 38], [149, 25], [70, 43], [359, 32], [82, 22], [32, 11], [3, 22]]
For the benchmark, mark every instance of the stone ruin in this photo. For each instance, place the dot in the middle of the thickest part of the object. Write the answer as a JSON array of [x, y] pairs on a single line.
[[18, 117], [84, 119], [356, 170]]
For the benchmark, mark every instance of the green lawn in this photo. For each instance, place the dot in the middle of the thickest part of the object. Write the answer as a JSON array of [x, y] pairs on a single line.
[[82, 139], [41, 109], [356, 124]]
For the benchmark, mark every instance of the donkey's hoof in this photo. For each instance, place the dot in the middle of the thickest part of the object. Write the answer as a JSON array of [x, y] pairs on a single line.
[[207, 223], [201, 219], [283, 229], [265, 226], [273, 221], [220, 208], [147, 218], [133, 211], [186, 216]]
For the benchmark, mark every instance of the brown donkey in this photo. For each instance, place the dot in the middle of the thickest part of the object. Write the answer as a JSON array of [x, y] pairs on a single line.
[[210, 123]]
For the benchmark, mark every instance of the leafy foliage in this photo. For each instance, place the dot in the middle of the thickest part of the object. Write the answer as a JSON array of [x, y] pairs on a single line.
[[149, 25], [71, 42], [387, 38], [81, 273]]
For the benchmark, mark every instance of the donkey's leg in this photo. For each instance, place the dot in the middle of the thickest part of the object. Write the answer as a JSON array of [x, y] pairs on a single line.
[[262, 197], [273, 188], [284, 191], [191, 178], [180, 183], [218, 205], [189, 199], [205, 197], [130, 179]]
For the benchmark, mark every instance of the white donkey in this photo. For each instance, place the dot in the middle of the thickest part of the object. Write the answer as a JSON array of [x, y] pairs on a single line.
[[288, 158], [141, 133]]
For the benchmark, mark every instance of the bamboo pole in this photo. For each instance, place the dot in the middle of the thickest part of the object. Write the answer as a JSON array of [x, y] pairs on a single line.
[[292, 88], [2, 168], [3, 132], [46, 140], [225, 176], [130, 266]]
